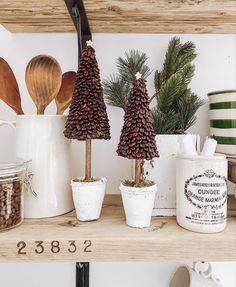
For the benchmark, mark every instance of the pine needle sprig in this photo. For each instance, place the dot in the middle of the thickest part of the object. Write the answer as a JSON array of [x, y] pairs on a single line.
[[187, 107], [170, 93], [133, 61], [117, 87], [164, 123], [116, 91], [187, 73], [176, 105], [186, 55], [171, 58]]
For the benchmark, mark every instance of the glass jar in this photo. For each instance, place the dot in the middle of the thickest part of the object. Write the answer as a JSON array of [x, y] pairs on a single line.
[[13, 177]]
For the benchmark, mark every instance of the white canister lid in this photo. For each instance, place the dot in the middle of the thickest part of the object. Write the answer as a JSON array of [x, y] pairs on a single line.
[[216, 156]]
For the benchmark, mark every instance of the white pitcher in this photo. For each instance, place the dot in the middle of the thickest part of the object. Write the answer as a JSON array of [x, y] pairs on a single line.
[[40, 138]]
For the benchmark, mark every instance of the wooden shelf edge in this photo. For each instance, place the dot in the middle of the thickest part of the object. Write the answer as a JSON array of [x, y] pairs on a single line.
[[109, 239], [136, 16]]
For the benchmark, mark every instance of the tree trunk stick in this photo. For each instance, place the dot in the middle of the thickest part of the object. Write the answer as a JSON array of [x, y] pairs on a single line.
[[88, 160], [138, 172]]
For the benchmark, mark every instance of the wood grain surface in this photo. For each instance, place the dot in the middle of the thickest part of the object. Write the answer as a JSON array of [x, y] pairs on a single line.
[[43, 78], [64, 96], [114, 16], [110, 239], [9, 90]]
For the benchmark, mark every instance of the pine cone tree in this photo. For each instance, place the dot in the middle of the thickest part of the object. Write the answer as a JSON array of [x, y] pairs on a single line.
[[137, 140], [87, 114]]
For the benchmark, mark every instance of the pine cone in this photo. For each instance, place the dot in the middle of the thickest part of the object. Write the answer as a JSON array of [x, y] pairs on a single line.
[[137, 140], [87, 114]]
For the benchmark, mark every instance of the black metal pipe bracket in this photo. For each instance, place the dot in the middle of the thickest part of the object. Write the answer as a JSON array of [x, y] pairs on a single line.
[[78, 15], [82, 274]]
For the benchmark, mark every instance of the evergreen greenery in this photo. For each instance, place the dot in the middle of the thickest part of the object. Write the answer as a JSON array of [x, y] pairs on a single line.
[[176, 105], [117, 87]]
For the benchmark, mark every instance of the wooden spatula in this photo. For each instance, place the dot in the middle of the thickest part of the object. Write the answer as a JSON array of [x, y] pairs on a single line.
[[43, 79], [9, 90], [64, 97]]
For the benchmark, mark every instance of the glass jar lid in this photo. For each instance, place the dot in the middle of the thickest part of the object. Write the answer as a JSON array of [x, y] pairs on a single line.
[[13, 167]]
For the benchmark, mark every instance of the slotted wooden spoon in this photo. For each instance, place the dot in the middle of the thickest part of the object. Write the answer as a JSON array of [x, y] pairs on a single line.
[[9, 90], [64, 97], [43, 79]]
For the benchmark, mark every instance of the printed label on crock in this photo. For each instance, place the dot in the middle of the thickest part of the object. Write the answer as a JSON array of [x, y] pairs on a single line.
[[207, 194]]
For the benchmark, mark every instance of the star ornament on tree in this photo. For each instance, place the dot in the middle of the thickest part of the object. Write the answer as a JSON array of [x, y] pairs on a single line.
[[138, 76], [89, 43]]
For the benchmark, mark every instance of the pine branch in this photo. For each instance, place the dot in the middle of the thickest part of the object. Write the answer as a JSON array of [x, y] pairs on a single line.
[[186, 55], [170, 93], [134, 61], [117, 87], [177, 56], [187, 73], [176, 104], [164, 123], [187, 107], [157, 80], [169, 66], [116, 91]]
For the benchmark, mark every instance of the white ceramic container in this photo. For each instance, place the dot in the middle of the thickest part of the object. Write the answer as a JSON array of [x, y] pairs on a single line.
[[88, 198], [162, 171], [40, 138], [222, 115], [186, 276], [138, 204], [201, 192]]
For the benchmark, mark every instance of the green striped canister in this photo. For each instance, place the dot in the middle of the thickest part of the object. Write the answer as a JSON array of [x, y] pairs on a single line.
[[222, 114]]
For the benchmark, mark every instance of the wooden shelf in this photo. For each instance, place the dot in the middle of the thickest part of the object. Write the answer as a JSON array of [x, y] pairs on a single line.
[[109, 239], [132, 16]]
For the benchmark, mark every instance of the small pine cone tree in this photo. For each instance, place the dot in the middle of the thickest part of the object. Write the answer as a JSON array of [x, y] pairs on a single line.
[[137, 140], [87, 114]]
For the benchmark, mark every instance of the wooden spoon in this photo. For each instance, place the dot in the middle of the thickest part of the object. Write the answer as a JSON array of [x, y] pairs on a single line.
[[64, 97], [9, 90], [43, 79]]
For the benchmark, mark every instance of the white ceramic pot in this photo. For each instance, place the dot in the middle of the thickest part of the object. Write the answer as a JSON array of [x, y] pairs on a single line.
[[201, 192], [138, 204], [186, 276], [222, 115], [162, 171], [40, 138], [88, 198]]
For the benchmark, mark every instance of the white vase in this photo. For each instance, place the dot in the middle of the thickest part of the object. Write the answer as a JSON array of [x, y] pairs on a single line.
[[186, 276], [162, 171], [138, 204], [88, 198], [201, 192], [40, 138]]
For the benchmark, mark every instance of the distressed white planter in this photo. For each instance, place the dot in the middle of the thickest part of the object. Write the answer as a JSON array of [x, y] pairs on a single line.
[[201, 192], [138, 204], [162, 171], [40, 138], [88, 198]]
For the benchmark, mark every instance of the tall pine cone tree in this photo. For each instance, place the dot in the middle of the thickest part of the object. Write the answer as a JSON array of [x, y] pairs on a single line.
[[87, 114], [137, 140]]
